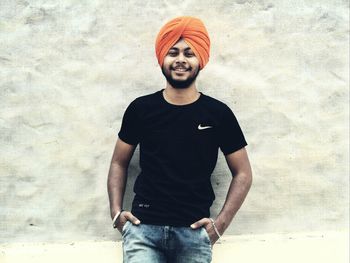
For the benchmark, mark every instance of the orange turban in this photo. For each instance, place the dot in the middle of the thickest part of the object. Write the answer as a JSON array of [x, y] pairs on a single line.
[[192, 30]]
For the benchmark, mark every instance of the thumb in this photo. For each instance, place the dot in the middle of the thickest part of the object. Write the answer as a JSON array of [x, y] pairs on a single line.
[[200, 223]]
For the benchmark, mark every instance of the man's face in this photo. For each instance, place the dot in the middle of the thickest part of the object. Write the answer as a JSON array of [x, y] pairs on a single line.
[[180, 66]]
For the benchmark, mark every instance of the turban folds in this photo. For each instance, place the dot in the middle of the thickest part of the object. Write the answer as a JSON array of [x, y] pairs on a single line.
[[192, 30]]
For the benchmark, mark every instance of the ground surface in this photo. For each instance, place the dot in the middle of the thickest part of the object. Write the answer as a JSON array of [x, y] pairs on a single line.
[[331, 247]]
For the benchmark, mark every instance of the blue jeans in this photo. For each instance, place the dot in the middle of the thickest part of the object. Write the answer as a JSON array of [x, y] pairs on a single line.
[[157, 244]]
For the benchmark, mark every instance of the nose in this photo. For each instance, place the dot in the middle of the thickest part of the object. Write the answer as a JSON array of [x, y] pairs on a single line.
[[181, 57]]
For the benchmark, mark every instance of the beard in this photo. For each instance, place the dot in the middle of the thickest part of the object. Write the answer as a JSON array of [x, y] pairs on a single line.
[[179, 84]]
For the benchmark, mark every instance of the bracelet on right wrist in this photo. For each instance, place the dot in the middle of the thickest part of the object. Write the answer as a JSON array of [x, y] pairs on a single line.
[[116, 217]]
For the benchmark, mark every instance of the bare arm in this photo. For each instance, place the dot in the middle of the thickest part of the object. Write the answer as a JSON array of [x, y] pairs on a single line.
[[239, 165], [117, 175]]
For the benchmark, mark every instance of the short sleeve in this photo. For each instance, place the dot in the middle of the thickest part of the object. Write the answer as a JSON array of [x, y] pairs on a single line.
[[129, 131], [230, 134]]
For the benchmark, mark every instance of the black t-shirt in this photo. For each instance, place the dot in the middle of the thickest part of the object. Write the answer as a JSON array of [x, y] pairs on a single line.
[[178, 153]]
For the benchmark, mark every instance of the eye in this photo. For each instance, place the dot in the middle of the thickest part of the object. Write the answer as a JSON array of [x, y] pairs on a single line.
[[172, 53], [189, 54]]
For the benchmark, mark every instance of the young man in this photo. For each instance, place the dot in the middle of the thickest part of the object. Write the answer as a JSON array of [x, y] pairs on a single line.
[[179, 130]]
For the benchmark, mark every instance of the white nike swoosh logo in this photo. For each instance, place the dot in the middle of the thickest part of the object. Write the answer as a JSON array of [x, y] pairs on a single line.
[[200, 127]]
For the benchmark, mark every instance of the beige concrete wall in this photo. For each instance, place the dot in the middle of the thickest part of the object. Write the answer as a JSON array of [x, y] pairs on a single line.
[[68, 69]]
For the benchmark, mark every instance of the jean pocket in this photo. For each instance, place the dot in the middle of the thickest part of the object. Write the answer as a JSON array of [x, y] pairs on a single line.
[[125, 227], [207, 238]]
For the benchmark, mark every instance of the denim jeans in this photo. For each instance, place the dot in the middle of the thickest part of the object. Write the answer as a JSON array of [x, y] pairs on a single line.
[[157, 244]]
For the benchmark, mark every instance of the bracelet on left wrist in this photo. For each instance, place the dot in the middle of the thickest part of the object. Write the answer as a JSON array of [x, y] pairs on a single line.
[[215, 228]]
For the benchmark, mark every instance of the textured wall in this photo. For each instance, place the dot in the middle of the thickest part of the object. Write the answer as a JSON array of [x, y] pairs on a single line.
[[68, 69]]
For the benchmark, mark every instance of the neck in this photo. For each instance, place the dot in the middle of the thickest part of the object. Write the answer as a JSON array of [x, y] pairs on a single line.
[[181, 96]]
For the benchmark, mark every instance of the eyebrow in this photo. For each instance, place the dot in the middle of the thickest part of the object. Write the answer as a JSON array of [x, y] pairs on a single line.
[[175, 48]]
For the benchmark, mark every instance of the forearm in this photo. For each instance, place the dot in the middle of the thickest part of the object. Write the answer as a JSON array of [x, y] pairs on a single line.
[[117, 178], [238, 190]]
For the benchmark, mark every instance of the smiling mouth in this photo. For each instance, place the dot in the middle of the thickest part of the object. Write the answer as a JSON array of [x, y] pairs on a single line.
[[178, 69]]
